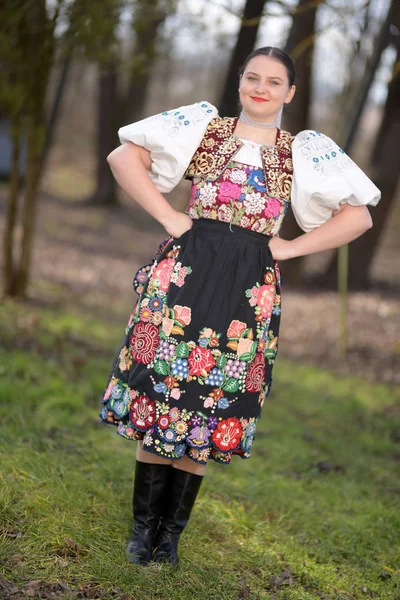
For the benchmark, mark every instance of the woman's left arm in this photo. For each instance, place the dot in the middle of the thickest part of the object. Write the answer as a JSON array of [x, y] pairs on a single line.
[[347, 224]]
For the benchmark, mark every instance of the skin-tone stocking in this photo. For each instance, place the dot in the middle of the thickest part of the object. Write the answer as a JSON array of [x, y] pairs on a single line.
[[184, 463]]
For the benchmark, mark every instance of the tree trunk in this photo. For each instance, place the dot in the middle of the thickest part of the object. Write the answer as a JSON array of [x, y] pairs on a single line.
[[386, 179], [148, 20], [113, 111], [246, 39], [55, 108], [386, 159], [34, 152], [296, 116], [37, 36], [107, 140], [11, 217]]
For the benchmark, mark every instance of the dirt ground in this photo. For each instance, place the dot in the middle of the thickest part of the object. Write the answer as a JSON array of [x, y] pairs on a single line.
[[86, 257]]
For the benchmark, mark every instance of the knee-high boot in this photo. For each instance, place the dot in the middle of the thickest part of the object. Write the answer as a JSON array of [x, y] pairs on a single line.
[[181, 494], [148, 497]]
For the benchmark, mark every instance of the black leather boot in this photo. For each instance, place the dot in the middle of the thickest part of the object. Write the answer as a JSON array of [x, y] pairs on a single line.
[[148, 495], [181, 495]]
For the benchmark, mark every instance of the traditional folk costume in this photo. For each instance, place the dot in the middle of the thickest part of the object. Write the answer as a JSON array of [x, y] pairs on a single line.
[[195, 365]]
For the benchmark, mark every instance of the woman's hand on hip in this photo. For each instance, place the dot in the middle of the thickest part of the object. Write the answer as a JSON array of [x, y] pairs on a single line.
[[177, 224], [281, 249]]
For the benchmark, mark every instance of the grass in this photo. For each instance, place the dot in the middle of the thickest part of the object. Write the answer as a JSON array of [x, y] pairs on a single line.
[[312, 515]]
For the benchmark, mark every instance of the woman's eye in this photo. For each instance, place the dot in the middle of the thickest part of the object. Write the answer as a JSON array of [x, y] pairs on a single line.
[[251, 78]]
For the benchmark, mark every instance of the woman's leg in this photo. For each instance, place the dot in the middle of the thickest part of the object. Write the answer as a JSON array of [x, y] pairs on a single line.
[[149, 457], [188, 465], [150, 487], [183, 485]]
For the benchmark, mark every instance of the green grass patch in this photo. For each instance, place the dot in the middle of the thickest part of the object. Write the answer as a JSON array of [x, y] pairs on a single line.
[[314, 514]]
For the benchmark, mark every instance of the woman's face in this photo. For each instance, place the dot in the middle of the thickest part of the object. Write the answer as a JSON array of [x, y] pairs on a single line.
[[264, 88]]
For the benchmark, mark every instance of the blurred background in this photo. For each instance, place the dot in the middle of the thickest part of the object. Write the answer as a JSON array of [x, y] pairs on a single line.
[[314, 513], [73, 71]]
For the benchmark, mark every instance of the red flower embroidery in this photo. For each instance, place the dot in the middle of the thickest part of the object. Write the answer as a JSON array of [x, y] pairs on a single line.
[[265, 300], [200, 359], [228, 434], [163, 273], [255, 374], [142, 412], [144, 342], [236, 329]]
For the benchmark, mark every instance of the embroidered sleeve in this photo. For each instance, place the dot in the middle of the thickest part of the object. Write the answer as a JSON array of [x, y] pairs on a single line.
[[172, 137], [324, 177]]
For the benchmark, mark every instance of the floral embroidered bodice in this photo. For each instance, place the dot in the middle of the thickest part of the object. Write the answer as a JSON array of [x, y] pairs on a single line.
[[239, 195]]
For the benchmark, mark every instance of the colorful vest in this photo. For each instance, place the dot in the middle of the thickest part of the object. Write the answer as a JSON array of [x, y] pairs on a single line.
[[219, 146]]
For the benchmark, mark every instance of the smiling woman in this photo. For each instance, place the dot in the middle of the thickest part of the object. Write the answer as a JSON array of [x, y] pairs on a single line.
[[195, 366]]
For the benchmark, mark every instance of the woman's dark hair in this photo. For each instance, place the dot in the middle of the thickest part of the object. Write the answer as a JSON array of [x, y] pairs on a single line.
[[277, 54]]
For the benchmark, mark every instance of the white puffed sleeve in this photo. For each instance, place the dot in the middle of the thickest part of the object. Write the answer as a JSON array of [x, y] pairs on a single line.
[[323, 178], [172, 137]]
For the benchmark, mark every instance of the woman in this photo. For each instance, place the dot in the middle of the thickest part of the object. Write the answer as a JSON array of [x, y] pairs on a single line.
[[194, 368]]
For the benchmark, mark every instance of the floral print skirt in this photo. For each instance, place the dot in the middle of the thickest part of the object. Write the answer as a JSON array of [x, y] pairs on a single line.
[[195, 363]]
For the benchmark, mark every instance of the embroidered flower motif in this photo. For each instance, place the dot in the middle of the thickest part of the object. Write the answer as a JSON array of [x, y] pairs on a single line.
[[157, 317], [273, 208], [259, 225], [167, 325], [144, 342], [179, 273], [253, 295], [145, 314], [236, 328], [254, 203], [257, 180], [156, 303], [255, 374], [174, 414], [244, 346], [200, 361], [199, 436], [181, 427], [207, 194], [228, 191], [238, 176], [212, 423], [124, 361], [265, 300], [196, 420], [162, 273], [183, 314], [269, 277], [228, 434], [164, 422], [225, 213], [142, 412]]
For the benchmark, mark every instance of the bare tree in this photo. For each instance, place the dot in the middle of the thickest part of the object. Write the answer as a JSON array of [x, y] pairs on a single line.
[[386, 160], [26, 58], [300, 45], [115, 108], [252, 15]]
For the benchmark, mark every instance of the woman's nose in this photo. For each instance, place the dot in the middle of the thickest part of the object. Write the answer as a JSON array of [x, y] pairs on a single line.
[[261, 87]]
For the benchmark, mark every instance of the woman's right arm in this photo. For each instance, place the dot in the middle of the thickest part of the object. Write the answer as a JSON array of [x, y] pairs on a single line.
[[129, 164]]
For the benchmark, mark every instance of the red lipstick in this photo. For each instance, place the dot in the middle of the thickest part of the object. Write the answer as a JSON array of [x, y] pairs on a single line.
[[257, 99]]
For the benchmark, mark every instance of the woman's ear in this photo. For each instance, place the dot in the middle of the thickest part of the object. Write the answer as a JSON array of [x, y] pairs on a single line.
[[290, 94]]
